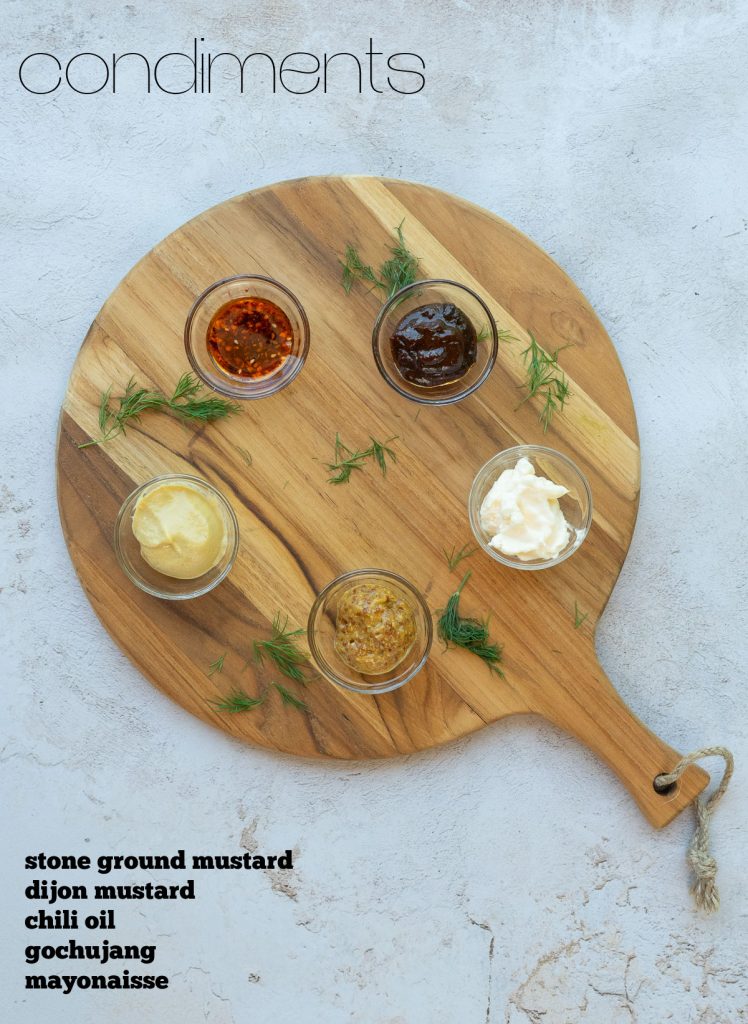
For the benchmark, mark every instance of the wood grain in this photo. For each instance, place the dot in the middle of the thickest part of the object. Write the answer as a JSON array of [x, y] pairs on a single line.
[[298, 533]]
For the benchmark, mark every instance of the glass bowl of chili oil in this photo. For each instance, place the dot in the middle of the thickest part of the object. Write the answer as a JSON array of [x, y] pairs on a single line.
[[247, 336]]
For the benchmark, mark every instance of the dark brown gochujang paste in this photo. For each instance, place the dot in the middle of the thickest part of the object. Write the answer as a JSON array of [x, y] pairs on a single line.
[[434, 344]]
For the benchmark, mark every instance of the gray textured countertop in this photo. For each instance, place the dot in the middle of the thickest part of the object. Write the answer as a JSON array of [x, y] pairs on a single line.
[[507, 878]]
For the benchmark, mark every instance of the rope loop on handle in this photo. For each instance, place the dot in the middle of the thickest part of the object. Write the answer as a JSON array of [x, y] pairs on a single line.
[[702, 863]]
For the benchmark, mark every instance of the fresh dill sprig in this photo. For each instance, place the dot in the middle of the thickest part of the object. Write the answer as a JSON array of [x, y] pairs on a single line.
[[399, 270], [454, 557], [546, 380], [282, 648], [135, 401], [380, 452], [104, 413], [237, 701], [469, 633], [402, 267], [290, 698], [346, 460], [578, 616], [217, 665], [501, 334]]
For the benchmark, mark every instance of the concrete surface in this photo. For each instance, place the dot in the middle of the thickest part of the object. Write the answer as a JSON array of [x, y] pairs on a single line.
[[507, 878]]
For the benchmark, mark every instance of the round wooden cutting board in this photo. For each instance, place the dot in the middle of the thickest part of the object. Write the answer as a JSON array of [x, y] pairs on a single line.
[[298, 532]]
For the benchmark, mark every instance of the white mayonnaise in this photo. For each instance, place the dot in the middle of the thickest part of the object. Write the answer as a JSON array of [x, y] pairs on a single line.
[[522, 514]]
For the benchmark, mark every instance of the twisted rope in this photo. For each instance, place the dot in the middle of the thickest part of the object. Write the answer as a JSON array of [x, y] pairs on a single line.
[[702, 863]]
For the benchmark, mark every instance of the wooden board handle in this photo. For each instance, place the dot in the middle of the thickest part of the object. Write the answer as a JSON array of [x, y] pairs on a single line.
[[603, 722]]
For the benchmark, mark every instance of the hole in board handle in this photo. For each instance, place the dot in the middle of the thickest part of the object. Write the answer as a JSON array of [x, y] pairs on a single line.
[[663, 788]]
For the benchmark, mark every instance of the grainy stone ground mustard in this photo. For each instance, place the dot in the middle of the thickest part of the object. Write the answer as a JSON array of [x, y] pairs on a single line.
[[375, 628]]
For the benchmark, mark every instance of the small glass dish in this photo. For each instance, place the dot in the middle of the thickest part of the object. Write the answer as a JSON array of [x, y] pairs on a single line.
[[423, 293], [208, 304], [152, 581], [576, 505], [321, 630]]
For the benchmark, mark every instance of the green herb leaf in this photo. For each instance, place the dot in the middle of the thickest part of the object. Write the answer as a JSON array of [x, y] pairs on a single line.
[[246, 456], [454, 557], [237, 701], [290, 698], [104, 410], [135, 401], [184, 403], [381, 452], [399, 270], [501, 334], [346, 460], [217, 665], [282, 649], [469, 633], [546, 380], [578, 616]]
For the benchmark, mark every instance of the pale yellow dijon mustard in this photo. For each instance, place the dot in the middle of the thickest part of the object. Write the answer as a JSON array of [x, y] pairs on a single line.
[[181, 530]]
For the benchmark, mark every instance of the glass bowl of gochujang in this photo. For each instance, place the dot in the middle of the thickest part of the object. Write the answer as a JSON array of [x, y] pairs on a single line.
[[435, 342], [247, 336]]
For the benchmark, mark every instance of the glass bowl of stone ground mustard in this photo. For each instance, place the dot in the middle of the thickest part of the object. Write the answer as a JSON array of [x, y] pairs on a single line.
[[247, 336], [435, 342], [176, 537], [369, 631]]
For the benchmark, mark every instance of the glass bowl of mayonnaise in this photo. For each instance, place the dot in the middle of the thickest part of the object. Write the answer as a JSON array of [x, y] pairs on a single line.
[[176, 537], [530, 507]]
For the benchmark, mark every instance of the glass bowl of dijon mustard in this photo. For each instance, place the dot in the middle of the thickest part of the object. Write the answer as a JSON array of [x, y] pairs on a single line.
[[370, 631], [176, 537]]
